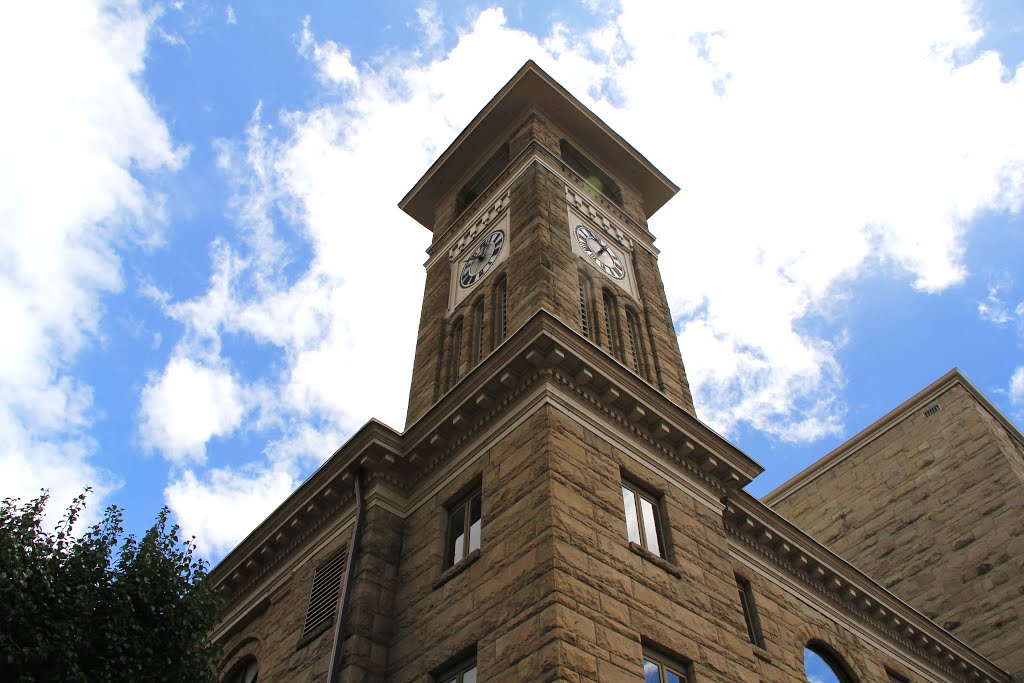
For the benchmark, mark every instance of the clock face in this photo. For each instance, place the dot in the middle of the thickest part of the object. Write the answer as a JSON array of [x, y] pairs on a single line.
[[600, 253], [481, 260]]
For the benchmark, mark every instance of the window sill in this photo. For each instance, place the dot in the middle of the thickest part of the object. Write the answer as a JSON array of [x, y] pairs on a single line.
[[456, 569], [314, 634], [664, 564], [761, 653]]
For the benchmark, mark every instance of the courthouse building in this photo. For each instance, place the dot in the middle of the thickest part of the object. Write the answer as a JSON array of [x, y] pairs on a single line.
[[555, 510]]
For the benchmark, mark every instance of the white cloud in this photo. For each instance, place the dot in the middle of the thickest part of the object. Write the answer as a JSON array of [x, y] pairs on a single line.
[[805, 159], [75, 131], [1017, 387], [342, 327], [993, 308], [188, 405], [430, 23], [222, 506], [334, 63], [230, 17]]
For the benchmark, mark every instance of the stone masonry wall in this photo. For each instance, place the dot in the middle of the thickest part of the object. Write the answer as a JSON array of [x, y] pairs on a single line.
[[614, 601], [934, 510], [369, 625], [273, 634], [499, 604]]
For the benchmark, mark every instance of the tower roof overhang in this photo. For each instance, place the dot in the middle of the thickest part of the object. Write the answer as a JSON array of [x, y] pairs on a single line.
[[532, 88]]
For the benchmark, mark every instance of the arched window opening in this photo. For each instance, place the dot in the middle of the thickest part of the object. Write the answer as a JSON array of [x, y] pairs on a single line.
[[484, 177], [245, 671], [478, 331], [610, 320], [594, 176], [823, 665], [584, 308], [454, 353]]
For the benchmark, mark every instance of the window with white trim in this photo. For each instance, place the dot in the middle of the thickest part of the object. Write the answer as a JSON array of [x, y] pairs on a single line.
[[643, 519], [463, 534], [659, 668]]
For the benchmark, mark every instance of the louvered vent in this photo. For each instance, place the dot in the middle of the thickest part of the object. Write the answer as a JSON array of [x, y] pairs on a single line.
[[324, 596], [931, 411]]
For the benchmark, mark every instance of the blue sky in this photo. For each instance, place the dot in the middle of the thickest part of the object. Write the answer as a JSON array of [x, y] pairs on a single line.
[[190, 187]]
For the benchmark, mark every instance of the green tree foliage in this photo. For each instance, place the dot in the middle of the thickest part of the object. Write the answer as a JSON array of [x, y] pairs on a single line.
[[101, 606]]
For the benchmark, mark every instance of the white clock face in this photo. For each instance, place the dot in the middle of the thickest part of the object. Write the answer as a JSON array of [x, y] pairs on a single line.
[[600, 253], [481, 260]]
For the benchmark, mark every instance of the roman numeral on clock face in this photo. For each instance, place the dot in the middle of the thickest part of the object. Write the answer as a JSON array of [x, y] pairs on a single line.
[[481, 259]]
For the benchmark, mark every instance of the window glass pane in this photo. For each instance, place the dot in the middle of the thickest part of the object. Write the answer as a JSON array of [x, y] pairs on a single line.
[[650, 526], [651, 673], [818, 669], [632, 523], [469, 675], [474, 523], [456, 534], [673, 677]]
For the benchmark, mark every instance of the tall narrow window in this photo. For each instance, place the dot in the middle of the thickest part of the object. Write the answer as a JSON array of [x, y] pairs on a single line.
[[749, 611], [454, 353], [643, 525], [609, 317], [478, 331], [501, 310], [323, 596], [633, 339], [659, 668], [463, 536], [584, 312]]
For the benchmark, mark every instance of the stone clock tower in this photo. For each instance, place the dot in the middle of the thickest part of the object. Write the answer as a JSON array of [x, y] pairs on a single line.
[[553, 509], [538, 205]]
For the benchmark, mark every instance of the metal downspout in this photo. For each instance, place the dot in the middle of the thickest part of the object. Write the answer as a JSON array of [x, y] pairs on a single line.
[[346, 580]]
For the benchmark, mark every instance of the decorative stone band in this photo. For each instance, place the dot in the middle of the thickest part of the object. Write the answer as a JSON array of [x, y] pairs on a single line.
[[543, 350], [577, 199], [758, 527], [479, 224], [496, 195]]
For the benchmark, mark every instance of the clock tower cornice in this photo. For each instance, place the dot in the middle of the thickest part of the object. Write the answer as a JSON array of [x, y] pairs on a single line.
[[533, 90], [465, 228]]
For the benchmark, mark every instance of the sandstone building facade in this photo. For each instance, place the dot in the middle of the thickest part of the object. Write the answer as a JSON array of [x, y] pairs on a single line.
[[554, 510], [929, 500]]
